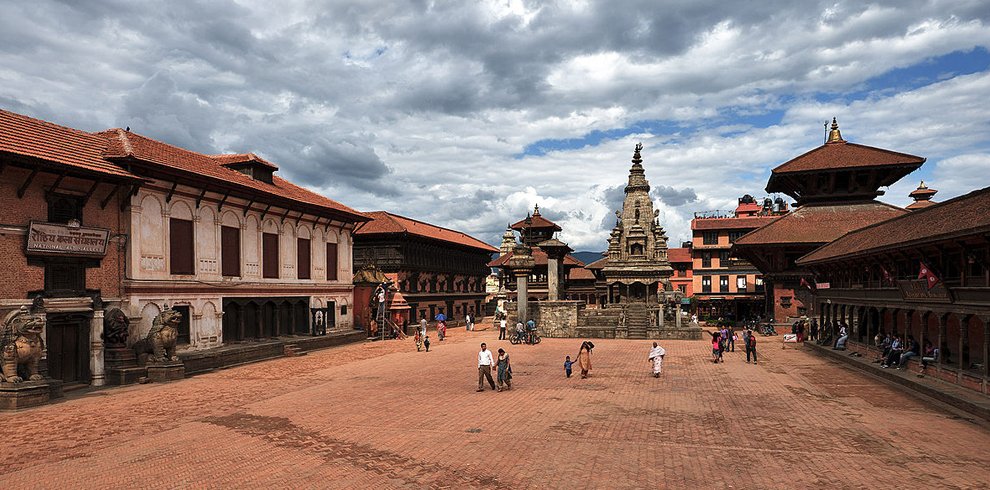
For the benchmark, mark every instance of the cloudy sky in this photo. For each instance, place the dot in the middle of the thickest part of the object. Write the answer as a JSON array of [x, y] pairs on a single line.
[[466, 114]]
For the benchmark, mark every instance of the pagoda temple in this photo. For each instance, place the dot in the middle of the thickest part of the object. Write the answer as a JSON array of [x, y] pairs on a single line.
[[835, 187]]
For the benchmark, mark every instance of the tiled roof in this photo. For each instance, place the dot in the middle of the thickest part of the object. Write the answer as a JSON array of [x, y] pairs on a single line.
[[751, 222], [536, 222], [235, 158], [385, 223], [598, 264], [30, 137], [581, 274], [965, 215], [124, 144], [815, 223], [681, 254], [842, 154], [748, 207], [539, 257]]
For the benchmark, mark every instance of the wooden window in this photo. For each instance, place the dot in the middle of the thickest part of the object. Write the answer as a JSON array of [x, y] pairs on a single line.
[[64, 277], [63, 208], [332, 262], [302, 258], [706, 259], [706, 284], [709, 238], [230, 251], [269, 259], [723, 284], [181, 247]]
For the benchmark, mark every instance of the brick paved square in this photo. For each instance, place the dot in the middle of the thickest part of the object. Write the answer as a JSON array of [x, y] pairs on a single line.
[[381, 415]]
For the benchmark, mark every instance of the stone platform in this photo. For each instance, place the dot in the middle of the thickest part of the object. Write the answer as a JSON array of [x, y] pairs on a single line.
[[27, 394], [258, 350], [166, 371]]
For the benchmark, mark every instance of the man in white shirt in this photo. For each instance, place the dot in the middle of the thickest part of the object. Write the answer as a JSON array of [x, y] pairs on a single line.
[[485, 364], [467, 323]]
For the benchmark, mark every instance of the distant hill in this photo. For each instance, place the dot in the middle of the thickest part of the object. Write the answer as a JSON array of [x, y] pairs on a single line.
[[587, 257]]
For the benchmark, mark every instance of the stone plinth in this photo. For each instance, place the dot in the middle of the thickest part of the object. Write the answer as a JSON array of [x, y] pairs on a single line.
[[164, 372], [121, 366], [558, 318], [15, 396]]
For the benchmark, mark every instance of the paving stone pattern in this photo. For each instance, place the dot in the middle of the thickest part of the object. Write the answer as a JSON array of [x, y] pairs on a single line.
[[381, 415]]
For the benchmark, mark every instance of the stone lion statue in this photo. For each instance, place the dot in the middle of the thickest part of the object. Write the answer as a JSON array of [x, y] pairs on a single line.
[[21, 345], [159, 344]]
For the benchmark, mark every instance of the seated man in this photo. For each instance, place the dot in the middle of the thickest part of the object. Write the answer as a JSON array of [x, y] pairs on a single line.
[[840, 343], [894, 353], [884, 347], [520, 331], [931, 354], [913, 349]]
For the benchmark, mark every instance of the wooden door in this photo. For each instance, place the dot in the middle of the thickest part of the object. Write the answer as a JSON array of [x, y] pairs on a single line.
[[68, 348]]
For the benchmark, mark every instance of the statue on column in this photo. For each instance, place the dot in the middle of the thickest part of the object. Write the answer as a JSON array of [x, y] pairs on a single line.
[[21, 346]]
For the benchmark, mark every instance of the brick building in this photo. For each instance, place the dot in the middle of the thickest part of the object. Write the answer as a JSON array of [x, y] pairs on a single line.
[[682, 278], [874, 280], [726, 286], [835, 187], [436, 270], [242, 253]]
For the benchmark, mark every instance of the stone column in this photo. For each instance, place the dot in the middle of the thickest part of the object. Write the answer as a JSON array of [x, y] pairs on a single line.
[[553, 278], [97, 375], [677, 314], [521, 265]]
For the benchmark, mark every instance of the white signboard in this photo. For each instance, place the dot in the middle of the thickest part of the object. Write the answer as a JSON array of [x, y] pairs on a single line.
[[59, 239]]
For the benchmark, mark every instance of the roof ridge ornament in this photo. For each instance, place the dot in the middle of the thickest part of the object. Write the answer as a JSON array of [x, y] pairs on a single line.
[[834, 136], [637, 159]]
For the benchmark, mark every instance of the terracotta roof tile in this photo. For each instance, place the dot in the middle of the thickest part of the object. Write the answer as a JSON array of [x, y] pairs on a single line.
[[30, 137], [123, 144], [539, 257], [235, 158], [750, 222], [598, 264], [964, 215], [681, 254], [815, 223], [843, 154], [385, 223], [581, 274], [536, 221]]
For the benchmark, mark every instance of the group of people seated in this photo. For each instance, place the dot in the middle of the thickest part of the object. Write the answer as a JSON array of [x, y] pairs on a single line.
[[897, 351]]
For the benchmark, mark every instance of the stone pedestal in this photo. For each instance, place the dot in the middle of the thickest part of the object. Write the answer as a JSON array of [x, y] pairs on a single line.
[[15, 396], [164, 372], [121, 366]]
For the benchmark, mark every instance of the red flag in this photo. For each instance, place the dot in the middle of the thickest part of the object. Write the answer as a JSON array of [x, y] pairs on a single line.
[[926, 273], [805, 283], [886, 274]]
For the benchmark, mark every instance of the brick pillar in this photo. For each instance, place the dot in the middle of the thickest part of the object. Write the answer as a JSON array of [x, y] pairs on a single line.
[[943, 320], [964, 342]]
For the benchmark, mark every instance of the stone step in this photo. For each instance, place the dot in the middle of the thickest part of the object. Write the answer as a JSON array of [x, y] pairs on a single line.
[[292, 350]]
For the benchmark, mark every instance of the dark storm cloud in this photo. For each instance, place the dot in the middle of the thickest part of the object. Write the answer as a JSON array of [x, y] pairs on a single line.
[[674, 197]]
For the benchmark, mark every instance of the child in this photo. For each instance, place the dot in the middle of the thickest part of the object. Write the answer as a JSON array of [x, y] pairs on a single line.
[[715, 347], [567, 366], [419, 341], [426, 342]]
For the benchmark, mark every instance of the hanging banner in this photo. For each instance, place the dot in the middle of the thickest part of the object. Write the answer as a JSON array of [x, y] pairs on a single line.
[[72, 241]]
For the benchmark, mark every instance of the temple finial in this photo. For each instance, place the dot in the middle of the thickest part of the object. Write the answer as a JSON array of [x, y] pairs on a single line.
[[636, 156], [536, 210], [834, 136]]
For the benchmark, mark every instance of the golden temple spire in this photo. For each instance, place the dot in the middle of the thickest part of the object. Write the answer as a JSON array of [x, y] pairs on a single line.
[[834, 136]]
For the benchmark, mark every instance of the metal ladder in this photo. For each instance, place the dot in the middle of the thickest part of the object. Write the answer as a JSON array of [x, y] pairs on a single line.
[[382, 317]]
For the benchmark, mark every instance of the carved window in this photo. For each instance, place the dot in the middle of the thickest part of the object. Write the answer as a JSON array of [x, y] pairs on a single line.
[[709, 237], [331, 261], [269, 255], [181, 247], [303, 257], [706, 259], [723, 284], [706, 284], [230, 251], [63, 208]]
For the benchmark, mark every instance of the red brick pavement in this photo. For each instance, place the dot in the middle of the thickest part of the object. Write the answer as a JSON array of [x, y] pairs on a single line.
[[381, 415]]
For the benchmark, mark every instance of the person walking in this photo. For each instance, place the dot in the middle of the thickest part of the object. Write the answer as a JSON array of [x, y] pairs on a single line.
[[501, 329], [750, 346], [422, 325], [731, 337], [504, 371], [467, 323], [419, 341], [485, 365], [584, 358], [656, 357]]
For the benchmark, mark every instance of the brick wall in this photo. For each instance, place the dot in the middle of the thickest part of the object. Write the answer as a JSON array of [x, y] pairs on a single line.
[[16, 276]]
